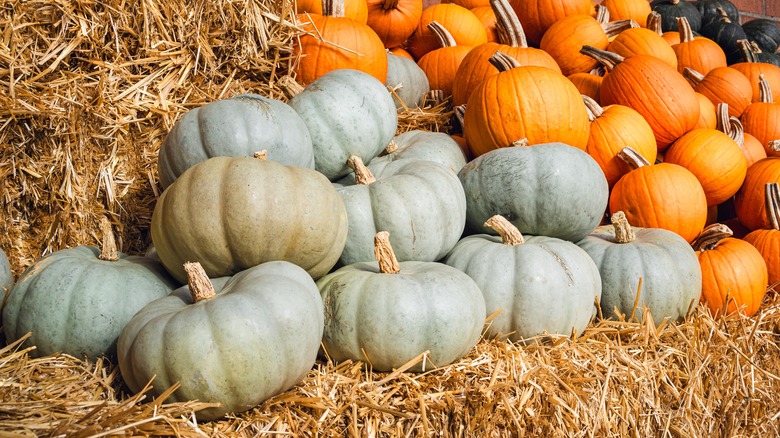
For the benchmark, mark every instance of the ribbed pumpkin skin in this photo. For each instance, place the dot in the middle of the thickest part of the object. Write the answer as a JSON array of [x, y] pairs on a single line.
[[440, 66], [77, 304], [230, 214], [725, 84], [708, 117], [394, 20], [640, 41], [752, 71], [425, 145], [542, 285], [587, 84], [762, 121], [257, 337], [636, 10], [549, 190], [657, 91], [235, 127], [538, 15], [411, 78], [389, 319], [464, 26], [666, 263], [749, 200], [734, 268], [714, 158], [564, 39], [753, 150], [701, 54], [503, 110], [354, 9], [767, 242]]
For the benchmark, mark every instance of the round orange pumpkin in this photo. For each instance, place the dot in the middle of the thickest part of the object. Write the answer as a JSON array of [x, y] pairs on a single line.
[[700, 54], [464, 26], [722, 84], [767, 240], [707, 113], [441, 64], [394, 21], [589, 84], [538, 15], [636, 10], [753, 69], [750, 202], [761, 119], [488, 19], [639, 40]]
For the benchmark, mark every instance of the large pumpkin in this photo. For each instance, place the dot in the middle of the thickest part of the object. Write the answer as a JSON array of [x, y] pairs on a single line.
[[388, 313], [767, 240], [235, 342], [234, 213], [552, 190], [536, 285], [235, 127], [348, 113], [644, 268], [76, 301]]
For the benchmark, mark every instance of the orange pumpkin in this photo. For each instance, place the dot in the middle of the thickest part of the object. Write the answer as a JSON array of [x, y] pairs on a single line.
[[767, 240], [753, 69], [538, 15], [464, 26], [731, 126], [636, 10], [761, 119], [750, 201], [400, 51], [441, 64], [471, 4], [589, 84], [354, 9], [707, 113], [488, 19], [643, 41], [722, 84], [655, 23], [734, 274], [394, 21], [700, 54]]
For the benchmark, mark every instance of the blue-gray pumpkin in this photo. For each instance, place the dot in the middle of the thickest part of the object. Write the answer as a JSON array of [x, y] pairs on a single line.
[[438, 147], [408, 80]]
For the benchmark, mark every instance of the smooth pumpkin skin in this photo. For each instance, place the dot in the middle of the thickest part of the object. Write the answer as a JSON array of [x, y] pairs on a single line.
[[551, 189], [391, 318], [639, 40], [348, 113], [233, 213], [394, 21], [77, 304], [566, 36], [736, 269], [538, 15], [464, 26], [235, 127], [408, 80], [666, 263], [726, 84], [636, 10], [543, 285], [256, 338], [438, 147]]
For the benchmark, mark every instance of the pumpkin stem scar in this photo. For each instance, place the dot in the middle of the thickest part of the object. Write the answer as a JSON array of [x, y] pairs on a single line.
[[508, 232], [363, 176], [388, 263], [200, 285], [109, 251]]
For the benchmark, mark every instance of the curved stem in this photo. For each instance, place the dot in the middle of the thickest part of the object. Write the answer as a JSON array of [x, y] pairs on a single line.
[[633, 158], [724, 16], [594, 109], [608, 59], [730, 125], [445, 37], [747, 51], [774, 145], [623, 231], [510, 30], [503, 62], [199, 283], [693, 77], [388, 263], [602, 14], [655, 22], [614, 28], [509, 233], [684, 27], [108, 251], [711, 236], [772, 204], [363, 176], [765, 92], [333, 8]]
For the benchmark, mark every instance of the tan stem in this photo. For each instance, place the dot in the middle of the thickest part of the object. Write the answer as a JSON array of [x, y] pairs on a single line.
[[363, 176], [594, 109], [388, 263], [503, 62], [684, 27], [435, 97], [199, 283], [392, 147], [730, 125], [633, 158], [774, 145], [608, 59], [614, 28], [108, 251], [523, 142], [623, 231], [765, 91], [445, 37], [711, 236], [509, 233], [261, 155], [510, 30], [602, 14], [333, 8], [747, 51], [674, 2], [772, 204], [737, 131], [655, 22], [693, 77], [460, 114], [390, 4]]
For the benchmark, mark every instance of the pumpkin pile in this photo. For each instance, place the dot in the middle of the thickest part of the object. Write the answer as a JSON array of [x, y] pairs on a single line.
[[594, 158]]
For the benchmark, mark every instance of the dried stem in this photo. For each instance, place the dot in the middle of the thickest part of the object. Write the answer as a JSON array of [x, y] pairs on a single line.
[[510, 30], [608, 59], [108, 251], [363, 176], [633, 158], [594, 109], [509, 233], [623, 231], [199, 283], [383, 251], [711, 236], [772, 204], [503, 62], [444, 36]]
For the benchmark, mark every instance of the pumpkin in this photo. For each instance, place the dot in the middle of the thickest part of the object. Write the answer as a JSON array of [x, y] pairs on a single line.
[[488, 19], [6, 277], [731, 126], [669, 10], [551, 189], [420, 203], [394, 21], [401, 52], [235, 127], [643, 269], [332, 41], [636, 10], [722, 84], [348, 113], [762, 118], [662, 195], [441, 64], [77, 300], [407, 80], [764, 32], [654, 89], [639, 40], [655, 23], [496, 118], [438, 147], [538, 15], [536, 285], [753, 68], [761, 56], [236, 341], [354, 9], [234, 213], [710, 9], [588, 84], [708, 117], [700, 54], [750, 201], [464, 26], [734, 274], [387, 313], [726, 33], [471, 4], [475, 67], [767, 240], [611, 129]]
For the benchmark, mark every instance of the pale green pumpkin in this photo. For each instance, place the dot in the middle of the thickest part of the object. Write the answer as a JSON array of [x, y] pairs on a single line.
[[6, 276], [438, 147], [408, 80]]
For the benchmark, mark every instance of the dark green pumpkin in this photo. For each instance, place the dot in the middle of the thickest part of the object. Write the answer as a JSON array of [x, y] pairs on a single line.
[[726, 34], [764, 32], [709, 10], [671, 9]]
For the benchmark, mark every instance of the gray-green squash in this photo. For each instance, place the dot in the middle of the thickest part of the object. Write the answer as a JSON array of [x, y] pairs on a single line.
[[551, 189], [438, 147], [230, 214], [252, 336], [235, 127], [667, 265], [6, 276], [348, 112], [78, 300], [538, 285], [387, 313], [408, 80]]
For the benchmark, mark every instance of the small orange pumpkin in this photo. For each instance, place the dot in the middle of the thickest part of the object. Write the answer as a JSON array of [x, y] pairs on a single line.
[[707, 113], [636, 10], [753, 69], [722, 84], [464, 26], [538, 15], [767, 240], [700, 54], [394, 21], [589, 83], [761, 119], [750, 201], [639, 40], [441, 64]]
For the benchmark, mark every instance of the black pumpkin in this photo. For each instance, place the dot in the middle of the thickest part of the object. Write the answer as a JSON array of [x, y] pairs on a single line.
[[764, 32], [671, 9], [762, 56], [727, 34], [709, 10]]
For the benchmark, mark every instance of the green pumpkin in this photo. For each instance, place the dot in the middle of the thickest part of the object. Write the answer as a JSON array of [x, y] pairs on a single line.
[[6, 276], [75, 302], [438, 147], [234, 213], [389, 313], [537, 284], [348, 112], [666, 264], [408, 80], [236, 127], [420, 203], [552, 189], [254, 335]]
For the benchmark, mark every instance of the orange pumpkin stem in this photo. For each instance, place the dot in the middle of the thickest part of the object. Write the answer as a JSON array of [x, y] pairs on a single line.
[[199, 283], [383, 251], [445, 37], [503, 62], [108, 251], [333, 8], [692, 76], [765, 91], [594, 109], [711, 236], [684, 27], [510, 30], [363, 176], [609, 60], [772, 203], [261, 155], [509, 233], [655, 22], [633, 158], [623, 231]]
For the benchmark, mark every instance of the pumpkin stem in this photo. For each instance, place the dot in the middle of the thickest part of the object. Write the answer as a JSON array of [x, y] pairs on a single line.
[[333, 8], [198, 281], [711, 236], [633, 158], [261, 155], [692, 76], [773, 145], [615, 27], [108, 251], [772, 204], [724, 16], [510, 30], [654, 22], [684, 27], [509, 233], [363, 176], [445, 37], [623, 231], [602, 14], [383, 251], [747, 51], [765, 91], [523, 142], [435, 97], [503, 62], [608, 59], [594, 109], [460, 113], [392, 147], [730, 125], [390, 4]]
